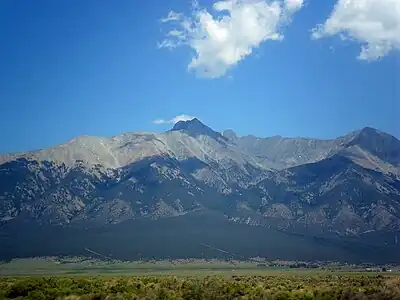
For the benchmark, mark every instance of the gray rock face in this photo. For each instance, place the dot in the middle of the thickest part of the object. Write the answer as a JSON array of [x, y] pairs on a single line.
[[344, 186]]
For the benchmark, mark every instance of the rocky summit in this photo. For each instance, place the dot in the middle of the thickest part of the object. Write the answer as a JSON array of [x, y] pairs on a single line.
[[195, 192]]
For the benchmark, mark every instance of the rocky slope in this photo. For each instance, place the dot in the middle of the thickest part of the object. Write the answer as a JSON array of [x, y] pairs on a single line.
[[349, 186]]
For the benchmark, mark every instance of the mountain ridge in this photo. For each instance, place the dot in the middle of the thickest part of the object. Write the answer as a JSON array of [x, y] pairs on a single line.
[[332, 189]]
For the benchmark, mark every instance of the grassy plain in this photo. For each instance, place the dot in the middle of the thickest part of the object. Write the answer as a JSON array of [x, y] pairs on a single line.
[[55, 267], [52, 266]]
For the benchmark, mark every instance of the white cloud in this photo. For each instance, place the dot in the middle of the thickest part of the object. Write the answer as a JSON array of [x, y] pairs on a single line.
[[294, 5], [375, 24], [173, 120], [220, 42]]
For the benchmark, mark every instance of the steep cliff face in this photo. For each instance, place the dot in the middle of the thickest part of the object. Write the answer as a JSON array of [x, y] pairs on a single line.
[[349, 186]]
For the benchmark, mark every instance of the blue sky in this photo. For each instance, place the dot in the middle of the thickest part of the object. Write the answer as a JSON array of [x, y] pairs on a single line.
[[69, 68]]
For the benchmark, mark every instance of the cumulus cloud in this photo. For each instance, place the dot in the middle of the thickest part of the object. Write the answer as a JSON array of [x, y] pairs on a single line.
[[173, 120], [222, 40], [375, 24]]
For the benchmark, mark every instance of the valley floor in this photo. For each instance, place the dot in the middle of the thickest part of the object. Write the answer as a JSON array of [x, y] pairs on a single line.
[[85, 266]]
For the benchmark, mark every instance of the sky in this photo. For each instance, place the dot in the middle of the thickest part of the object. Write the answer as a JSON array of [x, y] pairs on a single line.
[[294, 68]]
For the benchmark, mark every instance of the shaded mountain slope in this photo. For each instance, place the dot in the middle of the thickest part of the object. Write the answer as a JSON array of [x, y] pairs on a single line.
[[202, 234], [333, 195]]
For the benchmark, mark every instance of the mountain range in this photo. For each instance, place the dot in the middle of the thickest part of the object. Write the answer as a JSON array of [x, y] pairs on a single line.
[[195, 192]]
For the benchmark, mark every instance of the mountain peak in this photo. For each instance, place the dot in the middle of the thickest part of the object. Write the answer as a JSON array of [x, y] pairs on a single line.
[[184, 125], [230, 134], [195, 128], [380, 144], [369, 130]]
